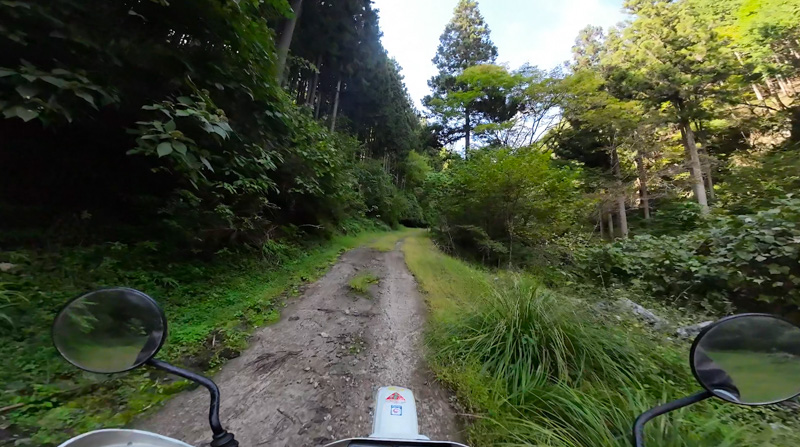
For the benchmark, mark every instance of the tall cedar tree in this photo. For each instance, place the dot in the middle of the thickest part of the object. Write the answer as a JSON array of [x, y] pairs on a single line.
[[668, 56], [464, 43]]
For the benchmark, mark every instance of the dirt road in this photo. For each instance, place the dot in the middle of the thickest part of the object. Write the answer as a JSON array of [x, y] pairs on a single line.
[[311, 377]]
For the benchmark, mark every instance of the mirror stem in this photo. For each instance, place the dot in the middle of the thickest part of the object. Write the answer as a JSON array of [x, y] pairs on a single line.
[[638, 426], [221, 437]]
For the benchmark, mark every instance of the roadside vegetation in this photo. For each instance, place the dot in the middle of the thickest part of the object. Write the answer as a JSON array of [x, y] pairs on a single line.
[[659, 166], [179, 148], [362, 282], [211, 307], [533, 366]]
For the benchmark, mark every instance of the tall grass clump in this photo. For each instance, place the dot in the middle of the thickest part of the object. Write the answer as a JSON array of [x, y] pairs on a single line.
[[527, 336]]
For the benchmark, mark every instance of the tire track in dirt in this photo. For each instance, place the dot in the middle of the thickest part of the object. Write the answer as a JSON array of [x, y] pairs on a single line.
[[311, 378]]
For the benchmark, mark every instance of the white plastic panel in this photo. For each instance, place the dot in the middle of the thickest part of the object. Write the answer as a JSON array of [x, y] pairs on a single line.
[[395, 414], [122, 438]]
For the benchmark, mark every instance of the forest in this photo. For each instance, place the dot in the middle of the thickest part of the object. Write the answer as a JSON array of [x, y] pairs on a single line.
[[220, 154]]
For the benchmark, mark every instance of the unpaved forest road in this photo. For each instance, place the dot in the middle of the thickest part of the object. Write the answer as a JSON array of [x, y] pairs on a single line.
[[302, 381]]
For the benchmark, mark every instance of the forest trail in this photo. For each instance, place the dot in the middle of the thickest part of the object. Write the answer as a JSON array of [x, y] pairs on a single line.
[[311, 377]]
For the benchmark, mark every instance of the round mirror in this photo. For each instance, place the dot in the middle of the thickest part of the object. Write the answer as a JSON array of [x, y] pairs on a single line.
[[749, 359], [110, 330]]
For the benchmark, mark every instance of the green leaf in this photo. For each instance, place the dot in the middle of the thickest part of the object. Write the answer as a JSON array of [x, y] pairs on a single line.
[[86, 97], [170, 126], [60, 72], [58, 82], [185, 100], [205, 162], [6, 72], [179, 147], [27, 91], [23, 113], [219, 131], [131, 12], [164, 148]]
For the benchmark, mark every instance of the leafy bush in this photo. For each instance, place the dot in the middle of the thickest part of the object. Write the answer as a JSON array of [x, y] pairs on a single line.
[[502, 198], [749, 260], [173, 109], [758, 179]]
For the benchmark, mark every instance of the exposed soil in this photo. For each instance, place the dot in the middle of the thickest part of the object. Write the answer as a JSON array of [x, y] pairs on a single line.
[[311, 378]]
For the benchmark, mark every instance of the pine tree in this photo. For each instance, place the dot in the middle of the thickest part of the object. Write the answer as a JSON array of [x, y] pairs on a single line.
[[464, 43], [588, 47]]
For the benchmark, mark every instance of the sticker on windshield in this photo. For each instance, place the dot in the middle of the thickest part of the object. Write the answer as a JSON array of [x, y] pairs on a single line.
[[396, 410], [396, 397]]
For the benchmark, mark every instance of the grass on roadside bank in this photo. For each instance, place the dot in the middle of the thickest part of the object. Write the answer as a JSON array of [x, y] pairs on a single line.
[[538, 368], [211, 306]]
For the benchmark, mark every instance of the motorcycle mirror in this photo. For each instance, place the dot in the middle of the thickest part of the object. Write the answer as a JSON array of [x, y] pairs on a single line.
[[749, 359], [110, 330]]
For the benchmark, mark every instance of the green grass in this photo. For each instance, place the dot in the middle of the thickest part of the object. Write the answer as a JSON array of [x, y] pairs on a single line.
[[760, 377], [388, 241], [361, 282], [211, 306], [537, 368]]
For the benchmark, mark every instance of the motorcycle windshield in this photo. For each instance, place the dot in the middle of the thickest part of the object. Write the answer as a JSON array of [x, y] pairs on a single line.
[[122, 438]]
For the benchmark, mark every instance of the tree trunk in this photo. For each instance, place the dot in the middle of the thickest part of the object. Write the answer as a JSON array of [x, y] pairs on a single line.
[[623, 218], [317, 108], [708, 166], [620, 196], [795, 117], [313, 96], [782, 86], [694, 166], [286, 38], [467, 130], [336, 104], [711, 194], [644, 195], [758, 93], [611, 226], [602, 223], [770, 87]]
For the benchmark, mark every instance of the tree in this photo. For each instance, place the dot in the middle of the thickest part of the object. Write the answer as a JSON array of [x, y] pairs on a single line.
[[668, 56], [588, 47], [500, 201], [464, 43], [486, 94], [286, 37], [612, 124]]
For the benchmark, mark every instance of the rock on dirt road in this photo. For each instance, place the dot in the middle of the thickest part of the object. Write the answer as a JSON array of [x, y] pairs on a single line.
[[311, 377]]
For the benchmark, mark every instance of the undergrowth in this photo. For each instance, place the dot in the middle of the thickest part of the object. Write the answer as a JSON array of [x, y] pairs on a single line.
[[212, 306], [539, 368]]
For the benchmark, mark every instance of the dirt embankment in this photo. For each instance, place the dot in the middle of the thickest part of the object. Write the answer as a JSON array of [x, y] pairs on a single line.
[[311, 378]]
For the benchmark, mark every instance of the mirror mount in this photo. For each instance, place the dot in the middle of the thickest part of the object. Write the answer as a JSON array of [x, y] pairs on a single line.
[[221, 437], [638, 426]]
